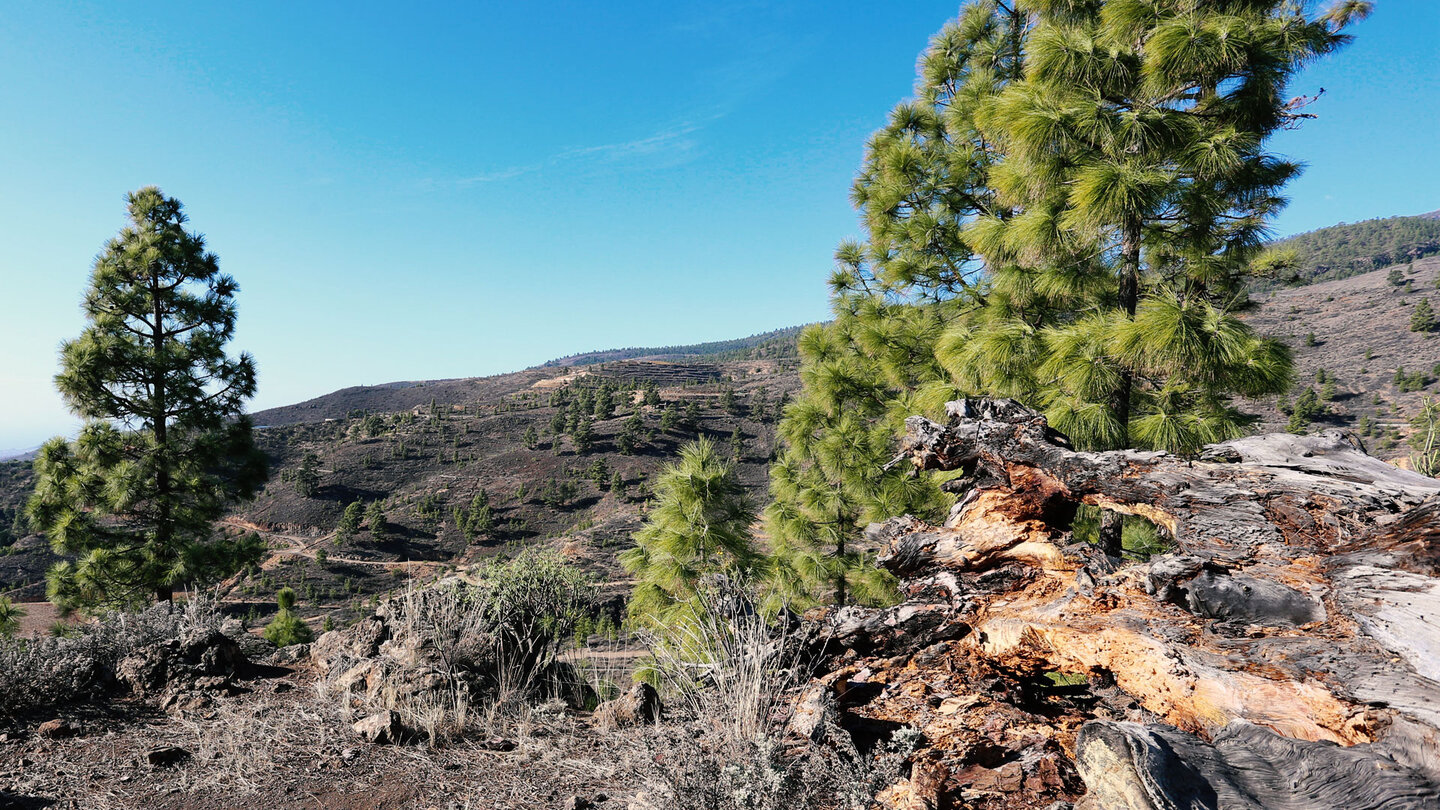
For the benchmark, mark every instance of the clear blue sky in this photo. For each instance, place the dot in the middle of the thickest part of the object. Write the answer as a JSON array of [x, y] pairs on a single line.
[[411, 191]]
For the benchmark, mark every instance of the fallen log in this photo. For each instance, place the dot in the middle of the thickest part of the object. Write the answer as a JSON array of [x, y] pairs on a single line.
[[1282, 652]]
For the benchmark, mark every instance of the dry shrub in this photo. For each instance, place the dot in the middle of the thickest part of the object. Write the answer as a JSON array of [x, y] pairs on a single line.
[[732, 674], [37, 674], [461, 654]]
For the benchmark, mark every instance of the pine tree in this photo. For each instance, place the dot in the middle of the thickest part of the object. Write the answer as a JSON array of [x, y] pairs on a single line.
[[168, 447], [629, 438], [1137, 189], [728, 402], [669, 418], [737, 445], [350, 521], [10, 616], [307, 478], [531, 439], [287, 628], [604, 403], [1065, 214], [1422, 317], [583, 435], [699, 524], [598, 472], [375, 519]]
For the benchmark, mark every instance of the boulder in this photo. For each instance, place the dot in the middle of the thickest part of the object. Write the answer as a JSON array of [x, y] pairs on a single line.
[[56, 729], [341, 648], [639, 705], [178, 664], [255, 647], [814, 712], [382, 728], [1245, 767], [289, 655]]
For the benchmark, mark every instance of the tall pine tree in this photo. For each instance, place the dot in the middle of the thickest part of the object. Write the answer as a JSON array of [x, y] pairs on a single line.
[[167, 446], [1065, 213], [893, 296]]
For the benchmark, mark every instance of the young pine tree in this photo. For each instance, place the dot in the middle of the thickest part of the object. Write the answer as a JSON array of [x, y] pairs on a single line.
[[1422, 317], [350, 521], [699, 524], [375, 519], [287, 628], [167, 446], [10, 616], [583, 435]]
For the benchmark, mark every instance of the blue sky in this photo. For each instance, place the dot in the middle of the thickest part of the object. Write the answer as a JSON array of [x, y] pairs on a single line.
[[412, 191]]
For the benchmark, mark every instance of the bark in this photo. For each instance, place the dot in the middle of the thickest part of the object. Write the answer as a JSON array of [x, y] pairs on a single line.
[[1296, 612]]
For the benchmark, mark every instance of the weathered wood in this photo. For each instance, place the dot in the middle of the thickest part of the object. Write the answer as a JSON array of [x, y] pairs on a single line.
[[1301, 601]]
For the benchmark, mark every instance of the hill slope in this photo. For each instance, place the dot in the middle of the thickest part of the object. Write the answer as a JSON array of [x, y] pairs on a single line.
[[767, 345], [1349, 249]]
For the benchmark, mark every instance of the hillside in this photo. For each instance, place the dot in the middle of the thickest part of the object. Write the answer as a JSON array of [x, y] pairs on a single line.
[[1361, 339], [766, 345], [1350, 249], [423, 451]]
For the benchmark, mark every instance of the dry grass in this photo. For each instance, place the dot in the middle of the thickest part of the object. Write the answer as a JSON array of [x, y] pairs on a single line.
[[732, 673]]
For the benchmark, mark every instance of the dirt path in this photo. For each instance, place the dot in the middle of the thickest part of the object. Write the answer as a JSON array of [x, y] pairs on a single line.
[[307, 547]]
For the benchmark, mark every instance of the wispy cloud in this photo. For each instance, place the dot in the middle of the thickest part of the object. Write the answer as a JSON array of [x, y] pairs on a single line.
[[671, 146], [498, 175], [721, 88]]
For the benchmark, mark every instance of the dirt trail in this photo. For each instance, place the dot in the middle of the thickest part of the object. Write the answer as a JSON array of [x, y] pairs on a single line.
[[307, 547]]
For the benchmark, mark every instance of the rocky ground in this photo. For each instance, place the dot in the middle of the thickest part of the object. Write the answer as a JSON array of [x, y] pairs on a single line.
[[211, 718], [280, 745]]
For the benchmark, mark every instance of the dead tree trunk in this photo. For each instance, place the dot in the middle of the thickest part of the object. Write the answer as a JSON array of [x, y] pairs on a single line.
[[1285, 653]]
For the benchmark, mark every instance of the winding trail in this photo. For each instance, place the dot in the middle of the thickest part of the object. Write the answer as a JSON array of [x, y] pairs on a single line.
[[308, 547]]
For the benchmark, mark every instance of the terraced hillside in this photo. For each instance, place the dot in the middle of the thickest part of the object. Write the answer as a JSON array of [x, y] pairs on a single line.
[[1354, 348]]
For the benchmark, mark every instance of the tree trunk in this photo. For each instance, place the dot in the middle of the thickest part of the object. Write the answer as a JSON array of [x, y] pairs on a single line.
[[164, 530], [1289, 617], [1111, 526]]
